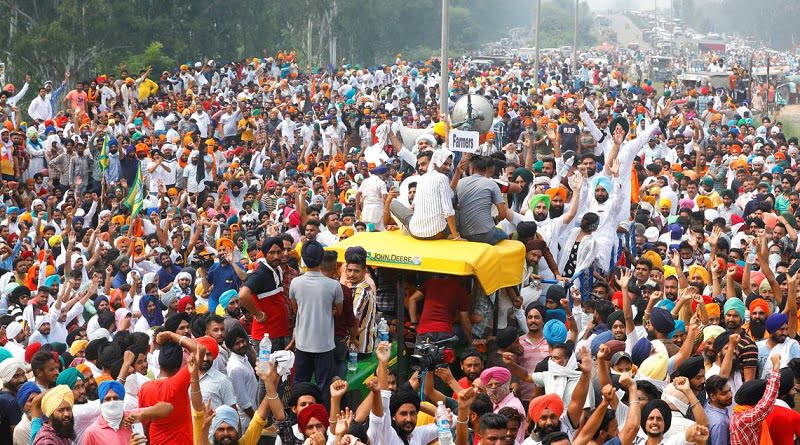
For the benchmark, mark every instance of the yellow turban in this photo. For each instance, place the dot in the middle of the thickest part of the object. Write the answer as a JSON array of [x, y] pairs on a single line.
[[664, 202], [670, 271], [699, 271], [654, 258], [54, 240], [55, 397], [712, 331], [198, 290], [655, 367], [704, 201], [78, 346], [439, 129], [345, 230]]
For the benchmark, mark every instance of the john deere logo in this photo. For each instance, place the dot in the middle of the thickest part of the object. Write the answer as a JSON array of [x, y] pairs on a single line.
[[393, 259]]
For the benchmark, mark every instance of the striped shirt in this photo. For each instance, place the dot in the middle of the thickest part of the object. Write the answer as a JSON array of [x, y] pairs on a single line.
[[433, 203], [366, 311]]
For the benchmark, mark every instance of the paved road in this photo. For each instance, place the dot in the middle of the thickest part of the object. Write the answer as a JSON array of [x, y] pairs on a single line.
[[627, 32]]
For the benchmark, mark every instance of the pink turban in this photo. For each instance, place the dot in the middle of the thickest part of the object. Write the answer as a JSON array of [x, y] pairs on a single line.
[[501, 375]]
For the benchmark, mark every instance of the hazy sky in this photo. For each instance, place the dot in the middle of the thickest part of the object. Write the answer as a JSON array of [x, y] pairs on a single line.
[[641, 4]]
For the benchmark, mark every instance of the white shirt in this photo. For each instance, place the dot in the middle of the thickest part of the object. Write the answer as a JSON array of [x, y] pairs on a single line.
[[40, 109], [381, 432], [215, 386], [245, 385]]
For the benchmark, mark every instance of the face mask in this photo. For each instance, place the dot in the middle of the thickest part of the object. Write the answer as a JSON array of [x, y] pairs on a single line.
[[774, 259], [113, 413], [496, 395]]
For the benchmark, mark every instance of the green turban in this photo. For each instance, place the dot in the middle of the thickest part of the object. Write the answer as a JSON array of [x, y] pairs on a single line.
[[68, 377], [734, 304], [536, 199], [526, 175]]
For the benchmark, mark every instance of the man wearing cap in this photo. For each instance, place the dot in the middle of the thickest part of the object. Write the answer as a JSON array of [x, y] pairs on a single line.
[[316, 299]]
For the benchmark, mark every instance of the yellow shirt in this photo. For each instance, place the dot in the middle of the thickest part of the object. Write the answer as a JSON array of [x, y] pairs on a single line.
[[250, 437]]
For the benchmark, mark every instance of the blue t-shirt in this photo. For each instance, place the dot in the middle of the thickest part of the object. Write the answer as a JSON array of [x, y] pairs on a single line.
[[10, 414], [764, 351], [222, 278], [165, 277]]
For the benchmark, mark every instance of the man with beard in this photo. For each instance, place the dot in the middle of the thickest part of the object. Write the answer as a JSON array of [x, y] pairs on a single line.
[[84, 412], [216, 387], [550, 228], [223, 275], [59, 429], [694, 370], [534, 347], [102, 306], [558, 195], [393, 417], [747, 350], [720, 397], [778, 342], [12, 373], [471, 366], [167, 273], [656, 420], [241, 374], [755, 328], [588, 161], [710, 334], [215, 328], [546, 413], [498, 387]]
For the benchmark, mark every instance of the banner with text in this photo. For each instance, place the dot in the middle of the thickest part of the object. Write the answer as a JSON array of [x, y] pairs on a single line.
[[466, 141]]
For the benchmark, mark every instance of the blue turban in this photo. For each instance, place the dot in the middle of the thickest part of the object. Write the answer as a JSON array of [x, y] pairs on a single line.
[[112, 142], [555, 332], [556, 314], [25, 391], [599, 340], [52, 281], [601, 181], [641, 350], [69, 377], [223, 414], [680, 327], [13, 209], [669, 305], [5, 354], [152, 210], [775, 322], [225, 299], [662, 320], [99, 300], [111, 385], [77, 219], [734, 304]]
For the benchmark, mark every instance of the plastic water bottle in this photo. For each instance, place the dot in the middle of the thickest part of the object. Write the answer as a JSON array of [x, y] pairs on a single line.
[[383, 330], [443, 425], [352, 359], [751, 257], [264, 352], [565, 167]]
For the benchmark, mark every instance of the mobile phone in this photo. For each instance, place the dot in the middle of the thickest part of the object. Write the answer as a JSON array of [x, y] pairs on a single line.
[[794, 267]]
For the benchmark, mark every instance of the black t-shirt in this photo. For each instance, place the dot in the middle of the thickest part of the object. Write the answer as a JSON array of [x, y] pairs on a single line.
[[569, 136]]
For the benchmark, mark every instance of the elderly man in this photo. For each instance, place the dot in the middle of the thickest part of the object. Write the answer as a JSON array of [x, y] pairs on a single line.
[[59, 429], [498, 388]]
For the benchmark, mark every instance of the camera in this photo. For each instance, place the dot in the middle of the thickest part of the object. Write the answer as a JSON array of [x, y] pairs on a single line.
[[429, 356], [205, 260]]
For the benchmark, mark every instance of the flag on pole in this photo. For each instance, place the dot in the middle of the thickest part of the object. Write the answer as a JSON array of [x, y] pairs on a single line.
[[135, 199], [103, 158]]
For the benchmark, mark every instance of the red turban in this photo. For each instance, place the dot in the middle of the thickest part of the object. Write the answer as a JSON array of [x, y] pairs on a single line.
[[185, 301], [210, 344], [313, 411], [541, 403], [32, 349]]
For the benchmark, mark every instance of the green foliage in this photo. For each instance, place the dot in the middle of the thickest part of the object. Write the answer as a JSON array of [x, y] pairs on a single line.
[[558, 24], [153, 56], [90, 37]]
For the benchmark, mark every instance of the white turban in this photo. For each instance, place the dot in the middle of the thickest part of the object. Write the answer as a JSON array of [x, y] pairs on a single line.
[[13, 329], [439, 157], [426, 137], [9, 367]]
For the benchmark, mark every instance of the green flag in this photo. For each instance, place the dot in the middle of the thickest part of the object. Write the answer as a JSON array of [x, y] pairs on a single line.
[[135, 199], [103, 158]]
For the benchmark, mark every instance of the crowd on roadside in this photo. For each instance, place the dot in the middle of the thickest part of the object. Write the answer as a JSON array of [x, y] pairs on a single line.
[[155, 229]]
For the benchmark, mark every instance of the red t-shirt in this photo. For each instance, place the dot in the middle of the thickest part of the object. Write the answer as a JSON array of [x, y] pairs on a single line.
[[347, 319], [784, 425], [177, 427], [444, 298], [269, 298]]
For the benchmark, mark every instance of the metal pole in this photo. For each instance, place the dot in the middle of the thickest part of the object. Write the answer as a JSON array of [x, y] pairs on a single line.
[[536, 45], [768, 60], [575, 43], [443, 90]]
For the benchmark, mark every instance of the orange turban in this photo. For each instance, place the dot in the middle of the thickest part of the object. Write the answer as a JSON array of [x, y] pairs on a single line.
[[712, 309], [541, 403], [210, 344], [560, 191], [225, 242], [759, 302]]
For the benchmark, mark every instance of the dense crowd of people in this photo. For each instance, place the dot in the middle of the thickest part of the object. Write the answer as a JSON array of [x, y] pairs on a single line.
[[167, 278]]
